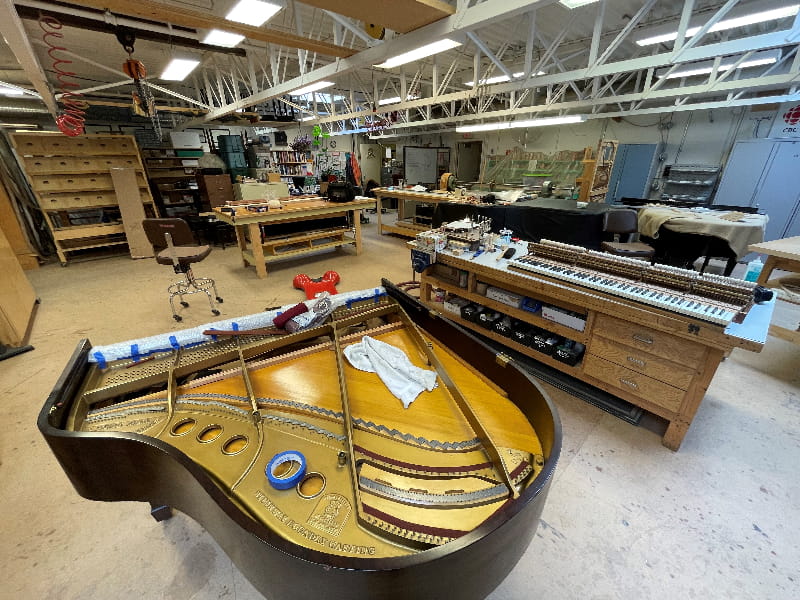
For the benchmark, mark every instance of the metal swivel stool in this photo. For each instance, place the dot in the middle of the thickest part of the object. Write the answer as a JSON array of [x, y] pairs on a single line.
[[175, 245]]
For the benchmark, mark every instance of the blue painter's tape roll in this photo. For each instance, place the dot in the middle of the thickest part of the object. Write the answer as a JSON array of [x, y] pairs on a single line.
[[290, 479]]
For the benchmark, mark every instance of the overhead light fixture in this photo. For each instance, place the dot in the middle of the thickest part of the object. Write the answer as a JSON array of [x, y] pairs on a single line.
[[179, 68], [312, 87], [10, 91], [544, 121], [217, 37], [309, 118], [253, 12], [421, 52], [395, 100], [500, 79], [759, 59], [759, 17], [570, 4]]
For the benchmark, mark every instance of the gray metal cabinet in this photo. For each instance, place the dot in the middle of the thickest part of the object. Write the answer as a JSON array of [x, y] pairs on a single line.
[[765, 173], [635, 166]]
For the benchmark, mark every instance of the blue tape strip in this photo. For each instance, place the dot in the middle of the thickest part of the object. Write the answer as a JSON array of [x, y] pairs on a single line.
[[293, 478], [135, 352], [173, 341], [100, 359], [213, 337], [234, 326]]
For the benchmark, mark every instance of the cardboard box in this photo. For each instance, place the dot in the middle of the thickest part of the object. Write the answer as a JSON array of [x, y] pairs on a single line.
[[564, 317], [454, 304], [504, 296]]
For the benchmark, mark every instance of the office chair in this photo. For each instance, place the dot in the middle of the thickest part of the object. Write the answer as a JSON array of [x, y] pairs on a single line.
[[174, 244], [619, 222]]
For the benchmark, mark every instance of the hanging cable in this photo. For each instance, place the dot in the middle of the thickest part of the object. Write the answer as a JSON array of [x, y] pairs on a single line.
[[71, 121]]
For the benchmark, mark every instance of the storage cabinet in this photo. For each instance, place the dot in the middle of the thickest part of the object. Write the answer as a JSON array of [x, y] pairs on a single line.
[[73, 184], [760, 173], [215, 190]]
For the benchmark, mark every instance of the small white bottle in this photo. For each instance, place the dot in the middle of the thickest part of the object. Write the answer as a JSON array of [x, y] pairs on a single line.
[[753, 269]]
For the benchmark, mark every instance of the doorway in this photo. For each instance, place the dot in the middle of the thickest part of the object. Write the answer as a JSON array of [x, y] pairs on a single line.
[[468, 161]]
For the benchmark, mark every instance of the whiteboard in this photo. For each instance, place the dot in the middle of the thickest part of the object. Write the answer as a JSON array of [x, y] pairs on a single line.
[[420, 165]]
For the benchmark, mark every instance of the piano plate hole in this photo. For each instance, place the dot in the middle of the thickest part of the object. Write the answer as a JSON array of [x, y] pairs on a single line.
[[183, 427], [311, 485], [209, 434], [235, 445]]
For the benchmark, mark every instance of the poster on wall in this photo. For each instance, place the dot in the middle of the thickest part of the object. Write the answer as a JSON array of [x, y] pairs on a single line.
[[787, 121]]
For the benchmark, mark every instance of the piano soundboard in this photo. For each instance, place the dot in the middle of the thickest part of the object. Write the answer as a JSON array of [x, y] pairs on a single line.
[[707, 297]]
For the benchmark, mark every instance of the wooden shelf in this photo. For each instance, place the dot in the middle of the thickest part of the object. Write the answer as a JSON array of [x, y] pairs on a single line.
[[71, 177]]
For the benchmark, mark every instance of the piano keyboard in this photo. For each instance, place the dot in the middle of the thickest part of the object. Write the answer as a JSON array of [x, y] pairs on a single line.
[[682, 301]]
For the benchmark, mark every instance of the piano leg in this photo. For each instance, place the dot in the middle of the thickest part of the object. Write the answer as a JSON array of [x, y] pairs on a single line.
[[160, 512]]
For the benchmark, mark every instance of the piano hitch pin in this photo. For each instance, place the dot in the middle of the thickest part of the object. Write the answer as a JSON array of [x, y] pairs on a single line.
[[342, 459]]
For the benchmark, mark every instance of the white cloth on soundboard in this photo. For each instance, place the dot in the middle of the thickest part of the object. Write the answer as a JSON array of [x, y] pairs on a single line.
[[404, 380]]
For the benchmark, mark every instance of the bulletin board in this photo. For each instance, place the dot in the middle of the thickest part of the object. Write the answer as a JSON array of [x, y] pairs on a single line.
[[420, 165]]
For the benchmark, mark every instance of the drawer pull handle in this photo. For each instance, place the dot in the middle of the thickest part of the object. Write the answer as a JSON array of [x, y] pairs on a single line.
[[629, 383], [636, 361], [643, 339]]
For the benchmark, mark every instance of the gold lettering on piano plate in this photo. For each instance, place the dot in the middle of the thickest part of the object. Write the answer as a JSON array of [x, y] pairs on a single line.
[[334, 505]]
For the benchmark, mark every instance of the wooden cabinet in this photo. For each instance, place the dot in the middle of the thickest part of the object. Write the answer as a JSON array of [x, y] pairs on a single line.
[[73, 184], [662, 362], [171, 173], [215, 190]]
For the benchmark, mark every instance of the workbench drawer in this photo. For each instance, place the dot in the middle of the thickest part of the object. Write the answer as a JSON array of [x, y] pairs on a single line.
[[628, 380], [660, 343], [642, 362]]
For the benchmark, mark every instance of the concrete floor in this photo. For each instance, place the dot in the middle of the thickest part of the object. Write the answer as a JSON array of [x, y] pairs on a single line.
[[625, 518]]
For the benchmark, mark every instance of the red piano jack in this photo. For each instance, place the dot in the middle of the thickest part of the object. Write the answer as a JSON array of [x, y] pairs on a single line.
[[312, 287]]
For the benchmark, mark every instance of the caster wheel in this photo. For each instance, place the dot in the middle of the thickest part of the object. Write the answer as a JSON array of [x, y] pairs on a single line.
[[219, 299], [177, 318], [184, 304], [215, 312]]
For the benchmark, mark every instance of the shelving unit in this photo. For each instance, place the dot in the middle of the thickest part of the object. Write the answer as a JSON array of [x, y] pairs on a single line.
[[171, 172], [73, 184], [693, 184], [289, 163]]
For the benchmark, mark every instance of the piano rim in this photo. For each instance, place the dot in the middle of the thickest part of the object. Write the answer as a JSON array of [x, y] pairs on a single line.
[[502, 522]]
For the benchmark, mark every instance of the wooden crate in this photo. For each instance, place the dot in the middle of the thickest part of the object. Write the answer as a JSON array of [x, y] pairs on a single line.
[[74, 174]]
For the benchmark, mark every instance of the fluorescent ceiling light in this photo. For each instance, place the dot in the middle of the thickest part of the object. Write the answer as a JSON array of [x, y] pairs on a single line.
[[759, 17], [421, 52], [576, 3], [10, 91], [313, 87], [179, 68], [395, 100], [252, 12], [544, 121], [309, 118], [706, 67], [216, 37], [499, 79]]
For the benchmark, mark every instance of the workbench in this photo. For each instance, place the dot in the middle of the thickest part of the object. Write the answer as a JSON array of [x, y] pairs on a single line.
[[785, 255], [257, 249], [658, 360]]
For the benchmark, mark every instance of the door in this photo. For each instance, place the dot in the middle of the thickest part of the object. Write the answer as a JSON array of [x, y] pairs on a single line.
[[469, 161], [632, 172], [743, 172], [778, 194]]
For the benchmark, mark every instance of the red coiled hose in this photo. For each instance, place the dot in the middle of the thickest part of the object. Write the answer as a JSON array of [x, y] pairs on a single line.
[[71, 121]]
